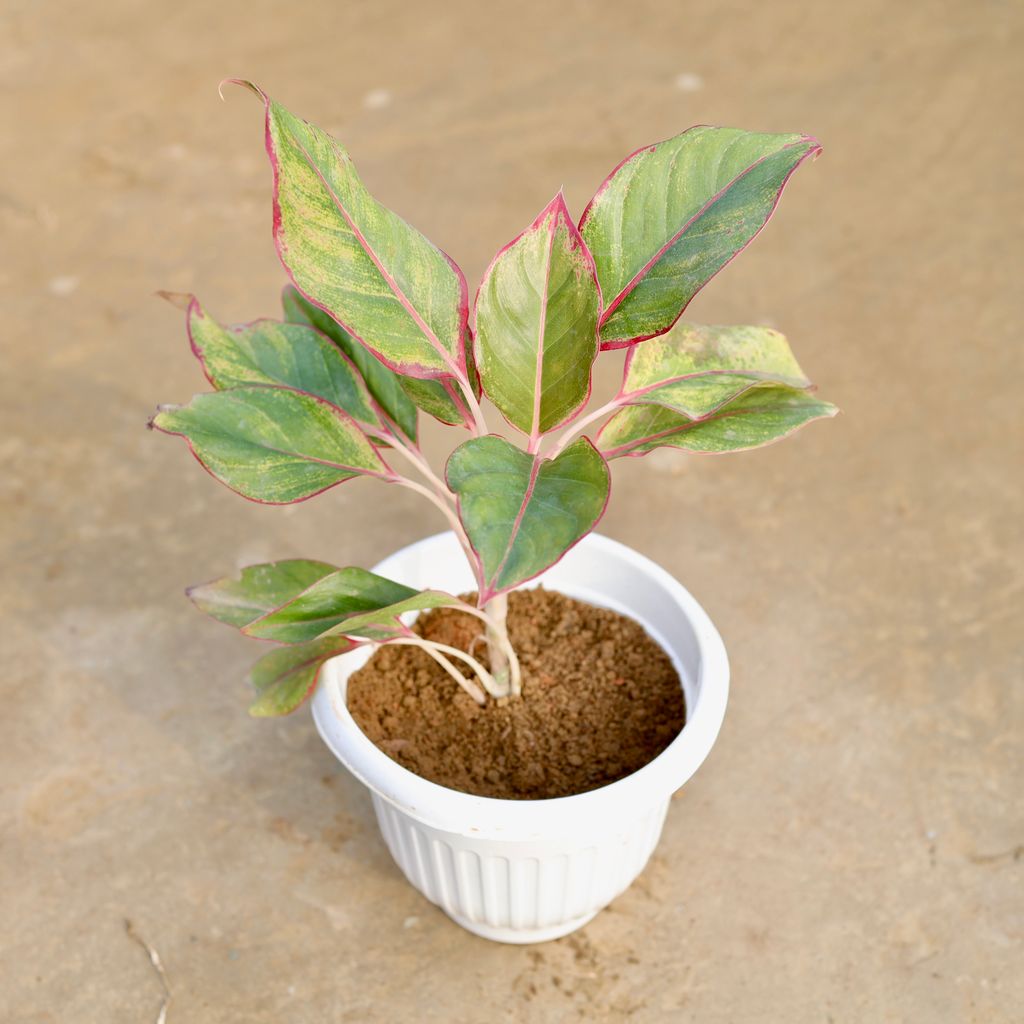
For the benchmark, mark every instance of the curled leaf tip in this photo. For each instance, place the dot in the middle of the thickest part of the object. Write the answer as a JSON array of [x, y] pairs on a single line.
[[816, 147], [245, 84]]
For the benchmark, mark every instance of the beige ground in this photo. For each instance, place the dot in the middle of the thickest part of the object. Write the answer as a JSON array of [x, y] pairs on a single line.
[[852, 851]]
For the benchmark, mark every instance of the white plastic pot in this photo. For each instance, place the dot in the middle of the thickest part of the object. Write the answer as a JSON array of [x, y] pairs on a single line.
[[533, 870]]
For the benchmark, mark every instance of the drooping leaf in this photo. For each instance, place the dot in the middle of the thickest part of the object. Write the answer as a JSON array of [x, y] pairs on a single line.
[[383, 383], [257, 589], [268, 352], [326, 603], [295, 601], [695, 369], [378, 277], [523, 512], [673, 214], [285, 677], [536, 323], [270, 444], [760, 416]]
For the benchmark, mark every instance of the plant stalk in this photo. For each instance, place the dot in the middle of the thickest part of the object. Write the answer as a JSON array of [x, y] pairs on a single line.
[[504, 663], [439, 651], [563, 442]]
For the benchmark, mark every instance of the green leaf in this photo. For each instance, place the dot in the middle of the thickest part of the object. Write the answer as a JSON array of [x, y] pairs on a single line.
[[443, 398], [285, 677], [326, 603], [257, 589], [762, 415], [385, 623], [271, 444], [268, 352], [295, 601], [695, 369], [523, 512], [440, 398], [384, 384], [380, 278], [536, 323], [673, 214]]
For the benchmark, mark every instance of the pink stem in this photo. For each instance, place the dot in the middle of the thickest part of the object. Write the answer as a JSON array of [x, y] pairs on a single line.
[[562, 443]]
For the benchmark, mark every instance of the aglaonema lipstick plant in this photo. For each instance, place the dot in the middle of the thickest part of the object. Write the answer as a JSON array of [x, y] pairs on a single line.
[[377, 328]]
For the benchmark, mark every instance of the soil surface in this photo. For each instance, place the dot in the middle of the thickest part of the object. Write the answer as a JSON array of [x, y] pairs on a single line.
[[600, 699]]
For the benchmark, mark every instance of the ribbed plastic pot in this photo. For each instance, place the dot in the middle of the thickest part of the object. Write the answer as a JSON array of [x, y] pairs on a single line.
[[531, 870]]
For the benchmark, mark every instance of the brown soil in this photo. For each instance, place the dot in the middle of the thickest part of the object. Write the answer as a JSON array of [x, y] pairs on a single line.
[[600, 699]]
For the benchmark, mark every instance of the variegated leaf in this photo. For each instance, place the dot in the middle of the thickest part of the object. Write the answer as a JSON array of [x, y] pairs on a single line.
[[295, 601], [385, 623], [380, 278], [257, 589], [673, 214], [536, 324], [523, 512], [329, 603], [289, 355], [760, 416], [285, 677], [383, 383], [695, 369], [271, 445], [441, 399]]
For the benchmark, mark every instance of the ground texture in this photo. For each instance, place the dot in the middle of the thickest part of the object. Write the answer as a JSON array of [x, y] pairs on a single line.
[[852, 849]]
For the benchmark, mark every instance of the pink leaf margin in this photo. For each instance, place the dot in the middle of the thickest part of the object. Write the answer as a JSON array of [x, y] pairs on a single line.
[[487, 592], [813, 152], [557, 206], [622, 452], [191, 306], [345, 645], [463, 310], [339, 413]]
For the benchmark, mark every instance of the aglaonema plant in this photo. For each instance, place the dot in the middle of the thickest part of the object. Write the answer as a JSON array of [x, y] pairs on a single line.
[[377, 328]]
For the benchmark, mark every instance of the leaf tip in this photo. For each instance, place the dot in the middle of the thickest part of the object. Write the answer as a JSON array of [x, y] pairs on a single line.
[[153, 423], [180, 300], [816, 148], [245, 84]]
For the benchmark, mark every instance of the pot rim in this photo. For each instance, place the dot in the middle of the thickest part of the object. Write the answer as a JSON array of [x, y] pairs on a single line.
[[527, 820]]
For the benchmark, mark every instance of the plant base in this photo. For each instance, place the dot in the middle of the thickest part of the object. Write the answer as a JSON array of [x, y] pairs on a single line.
[[600, 700], [531, 870]]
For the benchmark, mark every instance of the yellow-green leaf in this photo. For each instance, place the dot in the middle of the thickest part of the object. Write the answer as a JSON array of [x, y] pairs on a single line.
[[273, 353], [536, 324], [272, 445], [328, 603], [385, 623], [765, 414], [376, 275], [285, 677], [673, 214], [695, 369], [257, 589], [439, 398], [383, 383], [523, 512]]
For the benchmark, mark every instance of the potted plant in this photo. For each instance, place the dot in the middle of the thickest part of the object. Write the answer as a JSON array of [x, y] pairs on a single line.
[[520, 761]]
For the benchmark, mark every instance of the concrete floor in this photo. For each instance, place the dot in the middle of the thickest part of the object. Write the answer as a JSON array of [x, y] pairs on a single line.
[[852, 850]]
